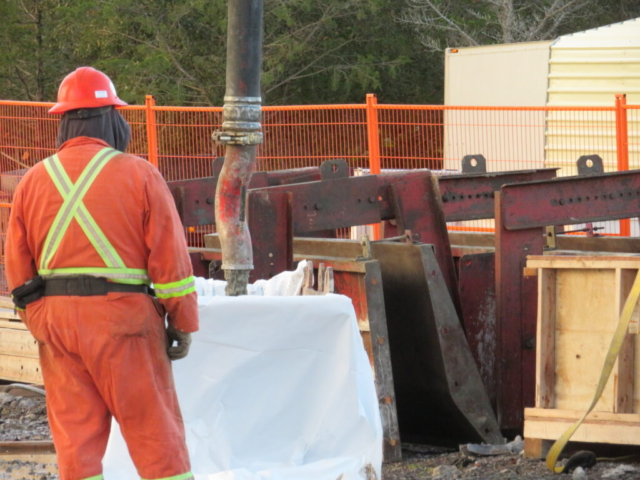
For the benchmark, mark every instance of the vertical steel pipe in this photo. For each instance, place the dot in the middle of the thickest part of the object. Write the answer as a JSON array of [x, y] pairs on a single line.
[[241, 135]]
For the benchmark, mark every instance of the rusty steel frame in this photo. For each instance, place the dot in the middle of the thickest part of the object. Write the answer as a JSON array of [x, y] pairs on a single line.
[[471, 197], [412, 198], [477, 291], [195, 198], [521, 212], [440, 395]]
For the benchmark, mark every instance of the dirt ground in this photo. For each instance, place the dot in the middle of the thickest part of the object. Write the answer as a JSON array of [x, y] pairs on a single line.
[[24, 418], [423, 462]]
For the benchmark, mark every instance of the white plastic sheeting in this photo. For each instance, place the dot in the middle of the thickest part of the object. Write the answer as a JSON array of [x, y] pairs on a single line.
[[276, 388]]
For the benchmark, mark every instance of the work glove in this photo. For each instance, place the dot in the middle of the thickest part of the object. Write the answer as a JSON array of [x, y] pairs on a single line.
[[183, 343]]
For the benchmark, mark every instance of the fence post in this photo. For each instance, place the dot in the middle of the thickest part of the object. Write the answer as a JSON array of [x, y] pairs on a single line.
[[373, 143], [373, 138], [152, 137], [622, 149]]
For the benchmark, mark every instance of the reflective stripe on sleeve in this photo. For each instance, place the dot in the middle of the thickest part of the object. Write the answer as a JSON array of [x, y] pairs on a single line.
[[97, 477], [175, 289]]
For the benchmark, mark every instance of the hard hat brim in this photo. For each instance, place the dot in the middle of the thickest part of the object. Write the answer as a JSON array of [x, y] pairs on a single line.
[[63, 107]]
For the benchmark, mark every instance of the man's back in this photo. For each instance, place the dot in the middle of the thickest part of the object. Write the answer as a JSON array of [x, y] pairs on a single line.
[[116, 200], [130, 231]]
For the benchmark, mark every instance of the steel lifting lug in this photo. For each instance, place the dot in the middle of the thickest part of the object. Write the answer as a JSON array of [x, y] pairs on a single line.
[[237, 138]]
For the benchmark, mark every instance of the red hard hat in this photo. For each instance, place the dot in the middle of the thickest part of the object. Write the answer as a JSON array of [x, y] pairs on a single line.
[[85, 88]]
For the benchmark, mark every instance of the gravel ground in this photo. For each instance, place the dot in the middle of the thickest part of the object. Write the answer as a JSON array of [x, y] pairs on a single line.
[[19, 470], [24, 418]]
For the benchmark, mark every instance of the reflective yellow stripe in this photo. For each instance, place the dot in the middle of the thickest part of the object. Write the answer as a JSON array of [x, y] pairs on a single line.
[[85, 220], [119, 275], [176, 294], [72, 198], [74, 208], [175, 289], [97, 477], [184, 476]]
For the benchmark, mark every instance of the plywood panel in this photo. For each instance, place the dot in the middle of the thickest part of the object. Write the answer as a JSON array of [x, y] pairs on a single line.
[[585, 323]]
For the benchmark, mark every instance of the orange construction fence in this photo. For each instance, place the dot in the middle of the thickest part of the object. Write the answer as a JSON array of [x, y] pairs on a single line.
[[370, 136]]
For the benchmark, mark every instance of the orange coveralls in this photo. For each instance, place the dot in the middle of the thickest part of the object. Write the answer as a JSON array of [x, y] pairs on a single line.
[[105, 356]]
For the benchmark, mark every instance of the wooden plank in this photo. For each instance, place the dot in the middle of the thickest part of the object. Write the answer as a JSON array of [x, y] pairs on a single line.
[[536, 447], [598, 244], [6, 302], [9, 314], [458, 252], [623, 370], [12, 325], [608, 418], [27, 447], [584, 262], [591, 431], [470, 239], [337, 264], [19, 343], [545, 339], [20, 369], [41, 452]]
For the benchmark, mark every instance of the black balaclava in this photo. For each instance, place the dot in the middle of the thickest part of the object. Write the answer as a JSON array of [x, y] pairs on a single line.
[[104, 123]]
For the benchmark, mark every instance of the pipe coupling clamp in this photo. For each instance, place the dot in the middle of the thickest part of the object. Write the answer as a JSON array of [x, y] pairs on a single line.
[[241, 122], [237, 138]]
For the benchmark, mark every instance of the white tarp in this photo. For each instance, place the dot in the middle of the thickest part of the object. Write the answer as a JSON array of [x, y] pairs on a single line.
[[276, 388]]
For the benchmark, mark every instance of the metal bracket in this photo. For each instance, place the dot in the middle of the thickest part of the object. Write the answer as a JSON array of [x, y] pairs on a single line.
[[334, 169], [590, 165], [474, 164], [237, 138]]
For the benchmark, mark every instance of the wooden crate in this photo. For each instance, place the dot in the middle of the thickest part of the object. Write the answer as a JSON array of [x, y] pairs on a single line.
[[580, 299]]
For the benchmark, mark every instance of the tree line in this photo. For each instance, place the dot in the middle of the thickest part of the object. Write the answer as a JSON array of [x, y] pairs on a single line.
[[315, 51]]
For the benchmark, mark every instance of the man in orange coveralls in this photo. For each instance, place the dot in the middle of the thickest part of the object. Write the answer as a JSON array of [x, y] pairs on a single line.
[[90, 229]]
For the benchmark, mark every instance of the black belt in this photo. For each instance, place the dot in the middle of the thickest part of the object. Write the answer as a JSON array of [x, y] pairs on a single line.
[[86, 286]]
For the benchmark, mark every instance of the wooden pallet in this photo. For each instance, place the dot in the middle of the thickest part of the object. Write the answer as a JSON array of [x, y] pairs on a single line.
[[579, 303]]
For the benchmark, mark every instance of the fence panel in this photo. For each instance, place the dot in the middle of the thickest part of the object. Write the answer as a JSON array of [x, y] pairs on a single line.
[[398, 136], [297, 137]]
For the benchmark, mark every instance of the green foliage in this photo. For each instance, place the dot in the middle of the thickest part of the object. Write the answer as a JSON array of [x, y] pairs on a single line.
[[315, 51]]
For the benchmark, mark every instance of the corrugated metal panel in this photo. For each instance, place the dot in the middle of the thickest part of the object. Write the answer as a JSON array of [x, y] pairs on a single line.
[[496, 75], [588, 69]]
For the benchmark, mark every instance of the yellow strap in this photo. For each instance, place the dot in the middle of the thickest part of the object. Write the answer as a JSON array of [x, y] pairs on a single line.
[[612, 356]]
